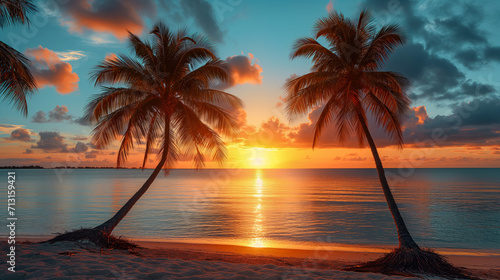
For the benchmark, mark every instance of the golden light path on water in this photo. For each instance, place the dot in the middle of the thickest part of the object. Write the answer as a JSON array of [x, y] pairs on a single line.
[[258, 239]]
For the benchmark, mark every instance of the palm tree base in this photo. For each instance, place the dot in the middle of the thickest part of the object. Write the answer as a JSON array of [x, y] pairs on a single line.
[[95, 236], [413, 262]]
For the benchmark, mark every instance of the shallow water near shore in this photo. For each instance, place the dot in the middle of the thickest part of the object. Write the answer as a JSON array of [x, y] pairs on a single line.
[[444, 208]]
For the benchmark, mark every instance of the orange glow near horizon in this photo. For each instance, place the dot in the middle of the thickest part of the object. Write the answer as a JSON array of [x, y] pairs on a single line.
[[258, 159], [269, 158]]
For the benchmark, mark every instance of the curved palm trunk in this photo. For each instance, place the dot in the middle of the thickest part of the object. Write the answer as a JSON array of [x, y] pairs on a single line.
[[108, 226], [404, 237]]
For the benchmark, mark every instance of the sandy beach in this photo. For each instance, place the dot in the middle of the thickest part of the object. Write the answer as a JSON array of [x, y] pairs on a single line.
[[167, 260]]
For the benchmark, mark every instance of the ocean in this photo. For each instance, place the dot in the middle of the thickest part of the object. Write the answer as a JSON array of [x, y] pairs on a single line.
[[443, 208]]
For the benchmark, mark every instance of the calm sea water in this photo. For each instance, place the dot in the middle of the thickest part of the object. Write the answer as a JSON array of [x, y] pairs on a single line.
[[443, 208]]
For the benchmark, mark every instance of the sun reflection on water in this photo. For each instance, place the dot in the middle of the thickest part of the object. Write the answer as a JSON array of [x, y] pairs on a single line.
[[258, 233]]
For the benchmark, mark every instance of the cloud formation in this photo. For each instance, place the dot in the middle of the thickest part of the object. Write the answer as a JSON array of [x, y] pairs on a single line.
[[20, 134], [329, 6], [71, 55], [206, 15], [8, 128], [203, 14], [243, 70], [108, 16], [80, 147], [51, 142], [49, 70], [453, 37], [471, 124], [39, 117], [58, 114]]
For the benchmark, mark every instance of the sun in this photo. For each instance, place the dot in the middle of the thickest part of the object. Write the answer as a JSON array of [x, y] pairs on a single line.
[[257, 162], [258, 158]]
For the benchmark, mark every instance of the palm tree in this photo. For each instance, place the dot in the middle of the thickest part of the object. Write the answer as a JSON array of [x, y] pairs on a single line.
[[16, 81], [165, 102], [347, 80]]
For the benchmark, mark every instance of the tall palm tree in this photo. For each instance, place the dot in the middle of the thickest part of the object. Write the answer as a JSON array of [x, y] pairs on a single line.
[[16, 81], [161, 98], [347, 80]]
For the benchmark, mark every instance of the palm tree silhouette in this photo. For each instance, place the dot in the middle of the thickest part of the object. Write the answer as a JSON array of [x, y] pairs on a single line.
[[165, 102], [16, 81], [347, 79]]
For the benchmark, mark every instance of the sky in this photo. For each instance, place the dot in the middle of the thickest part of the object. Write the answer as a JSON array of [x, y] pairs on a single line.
[[451, 57]]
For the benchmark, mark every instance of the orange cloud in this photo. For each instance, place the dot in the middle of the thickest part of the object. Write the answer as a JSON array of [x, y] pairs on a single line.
[[419, 130], [21, 134], [113, 16], [111, 56], [329, 6], [243, 70], [421, 114], [270, 133], [49, 70]]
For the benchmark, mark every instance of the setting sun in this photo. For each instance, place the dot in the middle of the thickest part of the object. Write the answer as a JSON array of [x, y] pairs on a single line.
[[258, 159], [258, 162]]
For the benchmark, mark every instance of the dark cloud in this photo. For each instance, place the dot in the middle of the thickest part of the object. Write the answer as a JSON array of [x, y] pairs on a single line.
[[203, 14], [469, 124], [455, 29], [51, 141], [110, 16], [302, 135], [80, 148], [82, 121], [441, 36], [475, 58], [492, 53], [28, 151], [443, 26], [469, 58], [20, 134], [472, 123], [58, 114], [432, 76], [39, 117]]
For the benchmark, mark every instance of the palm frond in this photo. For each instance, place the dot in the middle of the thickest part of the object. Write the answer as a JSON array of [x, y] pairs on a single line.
[[165, 101], [16, 11], [383, 43], [16, 80], [345, 80]]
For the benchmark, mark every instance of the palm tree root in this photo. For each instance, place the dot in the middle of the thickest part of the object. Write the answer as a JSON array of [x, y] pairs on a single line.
[[95, 236], [413, 262]]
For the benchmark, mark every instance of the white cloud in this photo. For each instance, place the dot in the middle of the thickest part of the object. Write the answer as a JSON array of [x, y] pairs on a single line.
[[71, 55]]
